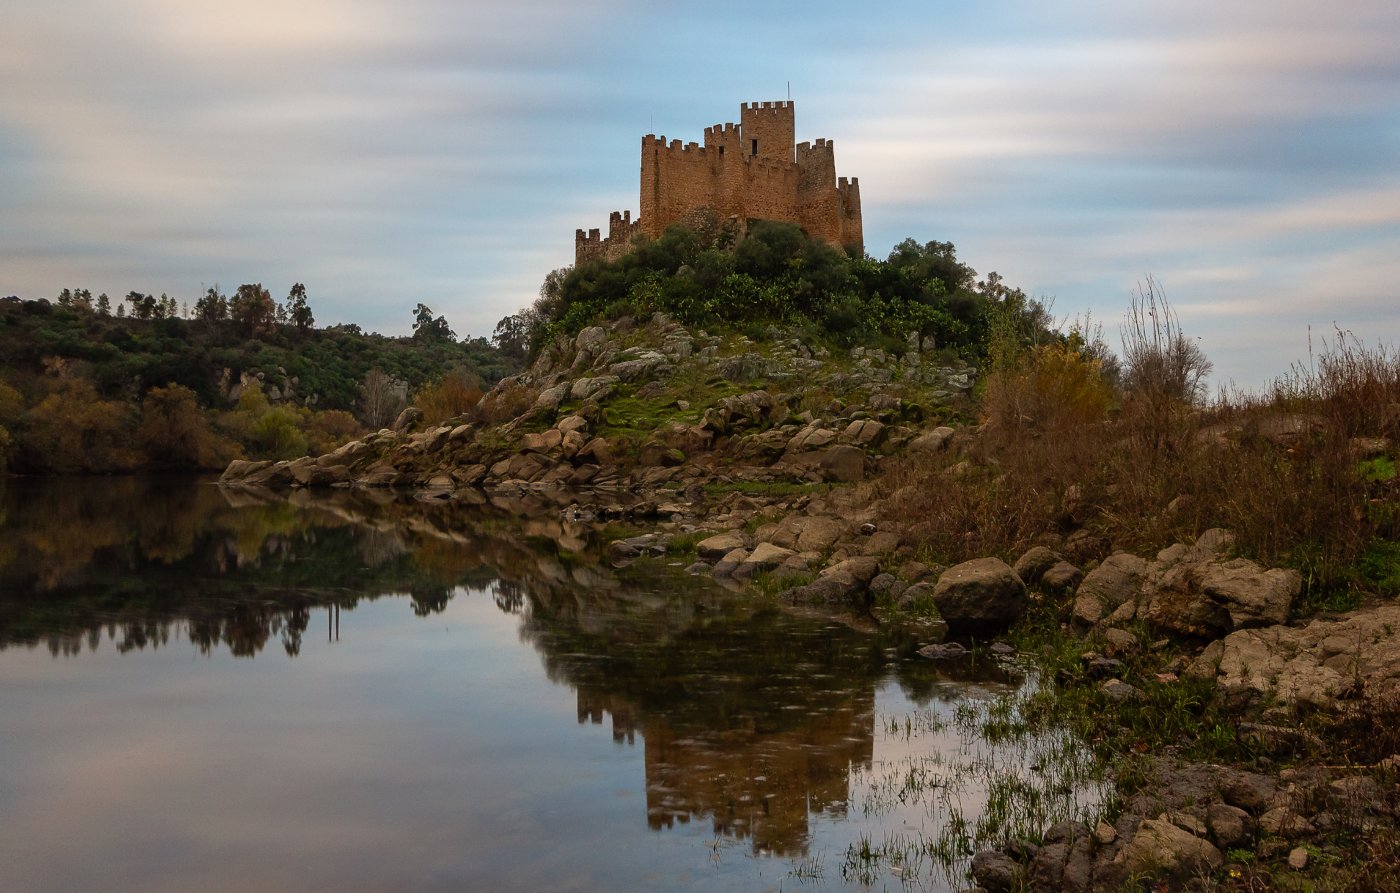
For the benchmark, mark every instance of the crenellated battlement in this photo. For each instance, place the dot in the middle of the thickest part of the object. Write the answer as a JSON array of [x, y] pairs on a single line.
[[752, 170], [774, 107], [723, 137], [622, 231]]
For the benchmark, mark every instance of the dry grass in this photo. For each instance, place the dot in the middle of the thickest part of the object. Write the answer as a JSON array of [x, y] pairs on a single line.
[[1281, 470]]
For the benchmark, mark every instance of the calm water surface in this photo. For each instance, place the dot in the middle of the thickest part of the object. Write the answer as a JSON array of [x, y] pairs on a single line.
[[206, 690]]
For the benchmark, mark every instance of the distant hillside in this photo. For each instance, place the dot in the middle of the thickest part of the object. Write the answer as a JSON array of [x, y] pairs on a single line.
[[264, 381]]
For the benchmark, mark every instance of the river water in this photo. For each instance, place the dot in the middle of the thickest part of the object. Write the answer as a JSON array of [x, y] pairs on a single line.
[[207, 690]]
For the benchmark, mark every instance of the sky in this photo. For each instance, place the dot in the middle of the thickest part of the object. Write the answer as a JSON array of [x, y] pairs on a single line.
[[1246, 155]]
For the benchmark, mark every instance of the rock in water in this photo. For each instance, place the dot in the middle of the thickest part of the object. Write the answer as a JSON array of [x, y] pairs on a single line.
[[946, 651], [980, 595]]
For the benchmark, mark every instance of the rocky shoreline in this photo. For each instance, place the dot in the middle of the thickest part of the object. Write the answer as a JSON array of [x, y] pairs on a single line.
[[771, 462]]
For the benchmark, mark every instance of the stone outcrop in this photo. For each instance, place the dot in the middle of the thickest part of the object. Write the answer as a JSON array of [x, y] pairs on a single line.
[[1193, 591], [1312, 667]]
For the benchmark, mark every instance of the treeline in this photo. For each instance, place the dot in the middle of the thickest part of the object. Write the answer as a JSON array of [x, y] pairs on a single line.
[[86, 388], [777, 274]]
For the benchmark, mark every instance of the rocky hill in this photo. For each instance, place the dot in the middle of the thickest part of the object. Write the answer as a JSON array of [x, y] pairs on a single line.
[[651, 411]]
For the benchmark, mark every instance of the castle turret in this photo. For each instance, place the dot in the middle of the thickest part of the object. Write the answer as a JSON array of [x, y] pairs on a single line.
[[768, 129]]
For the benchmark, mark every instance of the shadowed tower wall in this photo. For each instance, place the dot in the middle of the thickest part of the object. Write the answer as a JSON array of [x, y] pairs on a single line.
[[749, 171]]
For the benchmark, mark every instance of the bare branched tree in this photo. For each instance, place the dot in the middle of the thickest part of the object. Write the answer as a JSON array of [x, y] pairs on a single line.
[[1160, 363], [382, 398], [1164, 371]]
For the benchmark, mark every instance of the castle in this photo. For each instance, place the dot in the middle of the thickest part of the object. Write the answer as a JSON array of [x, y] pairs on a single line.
[[743, 172]]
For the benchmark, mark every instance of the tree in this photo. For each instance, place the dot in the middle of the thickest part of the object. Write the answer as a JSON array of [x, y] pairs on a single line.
[[512, 336], [73, 430], [426, 328], [142, 306], [174, 433], [11, 407], [930, 262], [298, 310], [104, 304], [382, 398], [213, 306], [277, 434], [253, 308], [551, 302], [331, 428]]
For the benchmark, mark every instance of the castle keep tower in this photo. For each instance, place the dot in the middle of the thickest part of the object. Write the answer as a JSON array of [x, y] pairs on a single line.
[[743, 172]]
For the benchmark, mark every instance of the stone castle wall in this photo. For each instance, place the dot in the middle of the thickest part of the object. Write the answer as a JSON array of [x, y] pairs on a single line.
[[743, 172]]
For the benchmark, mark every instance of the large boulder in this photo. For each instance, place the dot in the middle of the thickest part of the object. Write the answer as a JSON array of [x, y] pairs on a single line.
[[410, 416], [596, 451], [541, 441], [864, 432], [996, 872], [844, 583], [730, 562], [764, 558], [654, 453], [311, 474], [807, 533], [1161, 850], [843, 463], [242, 469], [744, 410], [716, 547], [1250, 594], [930, 442], [818, 533], [344, 454], [1033, 564], [592, 388], [1108, 586], [591, 339], [812, 437], [551, 397], [982, 594], [1060, 577], [1172, 602]]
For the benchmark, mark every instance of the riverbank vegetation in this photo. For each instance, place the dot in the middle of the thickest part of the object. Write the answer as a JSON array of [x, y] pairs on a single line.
[[1303, 474], [84, 389]]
